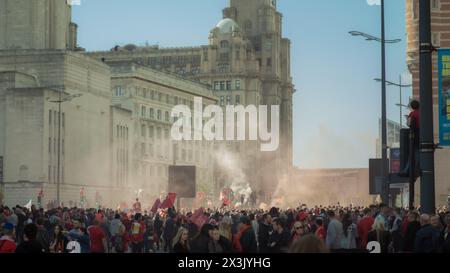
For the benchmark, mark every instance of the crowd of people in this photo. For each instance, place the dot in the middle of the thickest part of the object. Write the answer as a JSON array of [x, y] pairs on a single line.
[[297, 230]]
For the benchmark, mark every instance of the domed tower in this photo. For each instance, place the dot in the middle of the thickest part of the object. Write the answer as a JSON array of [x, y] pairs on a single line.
[[262, 26]]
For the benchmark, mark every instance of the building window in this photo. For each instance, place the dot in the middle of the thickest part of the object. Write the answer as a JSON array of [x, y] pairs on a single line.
[[152, 113], [166, 133], [50, 117], [435, 38], [224, 44], [49, 145], [143, 111], [238, 55], [222, 86], [221, 101], [63, 120], [216, 85], [175, 100], [224, 57], [238, 99], [228, 100], [50, 174], [435, 5], [158, 114], [167, 99], [269, 62], [238, 85], [143, 149], [228, 85], [119, 91], [150, 149], [143, 130], [150, 132], [62, 146], [159, 97], [167, 116]]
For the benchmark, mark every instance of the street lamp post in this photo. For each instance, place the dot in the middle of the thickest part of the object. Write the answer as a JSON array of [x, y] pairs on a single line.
[[400, 86], [59, 102], [427, 146], [383, 41]]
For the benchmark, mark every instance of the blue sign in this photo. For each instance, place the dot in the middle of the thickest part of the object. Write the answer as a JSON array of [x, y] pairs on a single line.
[[444, 96]]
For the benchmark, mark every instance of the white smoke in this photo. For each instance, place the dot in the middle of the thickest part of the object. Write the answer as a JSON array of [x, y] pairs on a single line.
[[230, 163]]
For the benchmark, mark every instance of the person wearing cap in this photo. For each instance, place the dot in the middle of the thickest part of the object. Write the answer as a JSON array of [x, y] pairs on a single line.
[[7, 243], [245, 240]]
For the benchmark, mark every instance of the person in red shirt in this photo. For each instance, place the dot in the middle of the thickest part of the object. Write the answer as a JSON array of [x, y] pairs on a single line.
[[137, 234], [98, 238], [414, 125], [414, 116], [365, 226], [7, 244], [137, 208], [320, 232]]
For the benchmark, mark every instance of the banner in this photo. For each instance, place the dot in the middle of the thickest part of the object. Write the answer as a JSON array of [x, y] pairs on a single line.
[[444, 96], [170, 201], [395, 160], [156, 206]]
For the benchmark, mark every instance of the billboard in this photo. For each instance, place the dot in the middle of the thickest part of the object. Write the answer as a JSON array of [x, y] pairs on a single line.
[[376, 175], [444, 96], [182, 181], [395, 160]]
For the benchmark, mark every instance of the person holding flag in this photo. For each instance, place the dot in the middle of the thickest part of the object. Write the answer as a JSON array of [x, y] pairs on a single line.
[[137, 206]]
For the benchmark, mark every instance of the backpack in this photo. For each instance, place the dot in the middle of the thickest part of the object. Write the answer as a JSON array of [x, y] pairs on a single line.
[[118, 244]]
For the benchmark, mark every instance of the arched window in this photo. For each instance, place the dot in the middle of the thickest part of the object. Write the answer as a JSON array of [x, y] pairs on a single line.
[[224, 44]]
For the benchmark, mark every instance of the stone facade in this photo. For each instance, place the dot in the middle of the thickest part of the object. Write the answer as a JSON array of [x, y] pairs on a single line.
[[149, 96], [247, 62], [30, 123], [440, 27], [37, 24], [98, 132]]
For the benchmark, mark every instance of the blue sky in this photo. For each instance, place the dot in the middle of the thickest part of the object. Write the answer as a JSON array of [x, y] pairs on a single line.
[[337, 103]]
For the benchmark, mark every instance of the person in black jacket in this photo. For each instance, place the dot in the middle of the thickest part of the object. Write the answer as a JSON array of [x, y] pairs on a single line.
[[264, 231], [29, 244], [411, 230], [427, 238], [218, 243], [247, 238], [280, 238], [200, 243]]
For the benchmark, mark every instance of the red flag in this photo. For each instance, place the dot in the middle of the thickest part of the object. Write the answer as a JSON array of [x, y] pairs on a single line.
[[198, 218], [156, 206], [170, 201]]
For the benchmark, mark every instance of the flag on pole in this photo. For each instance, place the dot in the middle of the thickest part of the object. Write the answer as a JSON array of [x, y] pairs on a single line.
[[156, 206], [28, 205], [170, 201]]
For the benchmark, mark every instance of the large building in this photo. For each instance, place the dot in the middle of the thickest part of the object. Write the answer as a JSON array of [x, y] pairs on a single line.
[[110, 136], [440, 27], [328, 187], [247, 62]]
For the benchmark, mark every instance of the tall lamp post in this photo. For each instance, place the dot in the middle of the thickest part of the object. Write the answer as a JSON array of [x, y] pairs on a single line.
[[400, 86], [59, 101], [383, 41]]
